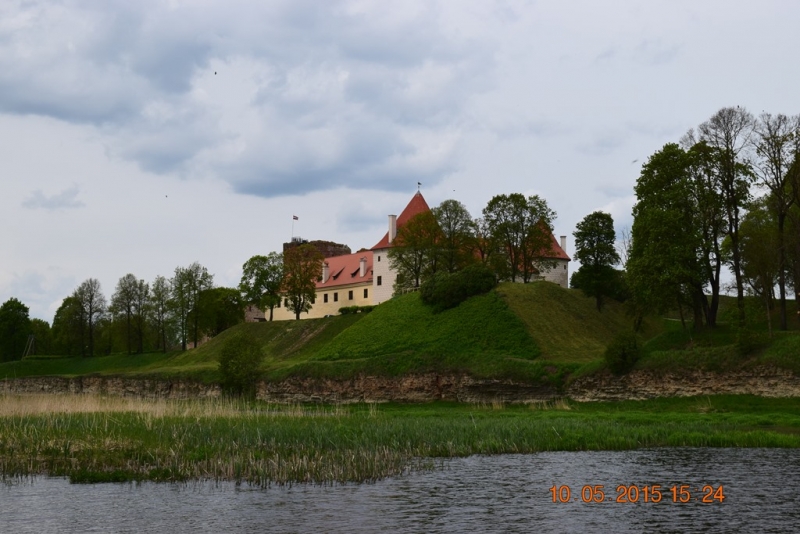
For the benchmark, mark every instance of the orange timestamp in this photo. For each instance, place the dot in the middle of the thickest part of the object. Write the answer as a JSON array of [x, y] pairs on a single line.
[[652, 493]]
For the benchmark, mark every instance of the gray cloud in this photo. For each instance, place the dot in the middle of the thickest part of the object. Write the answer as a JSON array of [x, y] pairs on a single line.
[[326, 94], [65, 199]]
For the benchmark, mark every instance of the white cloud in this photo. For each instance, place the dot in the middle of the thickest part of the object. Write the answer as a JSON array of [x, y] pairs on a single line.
[[65, 199]]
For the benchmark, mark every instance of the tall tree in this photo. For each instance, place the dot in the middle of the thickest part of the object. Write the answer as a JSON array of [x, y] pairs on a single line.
[[302, 268], [93, 305], [776, 142], [522, 227], [141, 308], [760, 252], [43, 338], [15, 327], [128, 302], [663, 269], [729, 132], [415, 254], [262, 279], [69, 328], [457, 241], [186, 286], [159, 307], [708, 218], [594, 248], [222, 308]]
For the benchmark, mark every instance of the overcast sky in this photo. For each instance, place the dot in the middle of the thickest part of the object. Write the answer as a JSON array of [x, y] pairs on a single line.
[[141, 136]]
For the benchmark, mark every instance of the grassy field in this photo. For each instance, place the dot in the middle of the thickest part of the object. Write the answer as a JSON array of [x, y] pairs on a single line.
[[94, 439], [530, 332]]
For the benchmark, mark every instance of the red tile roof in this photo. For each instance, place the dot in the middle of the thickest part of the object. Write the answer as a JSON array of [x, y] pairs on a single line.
[[344, 270], [415, 207], [557, 251]]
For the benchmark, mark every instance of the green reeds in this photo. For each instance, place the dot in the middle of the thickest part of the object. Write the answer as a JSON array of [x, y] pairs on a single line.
[[96, 439]]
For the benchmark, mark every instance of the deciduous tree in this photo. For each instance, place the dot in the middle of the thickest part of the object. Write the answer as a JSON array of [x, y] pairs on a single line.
[[415, 254], [160, 310], [594, 248], [221, 308], [663, 267], [93, 306], [130, 301], [729, 131], [776, 142], [522, 228], [15, 327], [262, 279], [186, 286], [69, 328], [457, 235], [302, 268]]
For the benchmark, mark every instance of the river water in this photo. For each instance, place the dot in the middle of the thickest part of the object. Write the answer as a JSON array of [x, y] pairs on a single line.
[[507, 493]]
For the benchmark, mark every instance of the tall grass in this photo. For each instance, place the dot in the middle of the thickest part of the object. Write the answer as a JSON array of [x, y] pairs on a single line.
[[94, 439]]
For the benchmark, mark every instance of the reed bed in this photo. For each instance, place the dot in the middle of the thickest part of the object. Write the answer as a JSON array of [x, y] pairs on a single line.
[[95, 439]]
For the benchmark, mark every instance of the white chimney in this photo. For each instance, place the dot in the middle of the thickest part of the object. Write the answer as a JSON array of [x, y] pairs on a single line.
[[325, 272], [362, 267], [564, 243], [392, 227]]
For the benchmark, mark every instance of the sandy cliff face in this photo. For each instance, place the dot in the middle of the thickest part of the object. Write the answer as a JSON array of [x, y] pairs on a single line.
[[126, 387], [638, 385]]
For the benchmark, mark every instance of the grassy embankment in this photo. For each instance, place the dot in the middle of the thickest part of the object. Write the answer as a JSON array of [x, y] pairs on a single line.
[[91, 439], [505, 333], [532, 332]]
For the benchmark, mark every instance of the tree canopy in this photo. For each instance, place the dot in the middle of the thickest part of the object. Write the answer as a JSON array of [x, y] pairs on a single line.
[[15, 327], [262, 280], [302, 267], [594, 248]]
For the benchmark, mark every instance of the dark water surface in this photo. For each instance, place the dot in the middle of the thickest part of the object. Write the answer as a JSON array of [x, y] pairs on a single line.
[[508, 493]]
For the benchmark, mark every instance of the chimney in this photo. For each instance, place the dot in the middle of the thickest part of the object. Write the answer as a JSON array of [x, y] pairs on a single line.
[[362, 267], [564, 243], [392, 228], [325, 272]]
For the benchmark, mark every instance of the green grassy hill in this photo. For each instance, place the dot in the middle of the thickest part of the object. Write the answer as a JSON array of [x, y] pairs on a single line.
[[564, 323], [529, 332]]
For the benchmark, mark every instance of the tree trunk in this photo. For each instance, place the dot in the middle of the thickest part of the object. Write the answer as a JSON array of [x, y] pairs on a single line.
[[782, 272]]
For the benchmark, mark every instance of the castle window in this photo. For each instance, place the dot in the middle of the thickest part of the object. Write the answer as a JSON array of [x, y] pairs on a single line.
[[286, 302], [325, 298], [379, 280], [366, 292], [336, 297], [350, 295], [379, 258]]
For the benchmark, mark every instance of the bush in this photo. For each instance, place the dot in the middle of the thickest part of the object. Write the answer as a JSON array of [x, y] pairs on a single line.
[[347, 310], [239, 361], [444, 291], [623, 353]]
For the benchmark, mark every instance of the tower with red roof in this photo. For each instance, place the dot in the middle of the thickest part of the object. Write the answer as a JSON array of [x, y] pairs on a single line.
[[383, 276]]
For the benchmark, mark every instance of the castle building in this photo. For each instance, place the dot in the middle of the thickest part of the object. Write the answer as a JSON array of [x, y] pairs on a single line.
[[366, 277]]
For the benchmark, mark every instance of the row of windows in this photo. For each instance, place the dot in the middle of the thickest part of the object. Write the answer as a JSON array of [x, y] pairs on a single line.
[[349, 295], [335, 296]]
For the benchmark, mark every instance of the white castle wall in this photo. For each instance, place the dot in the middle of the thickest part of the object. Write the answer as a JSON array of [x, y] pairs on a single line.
[[380, 268]]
